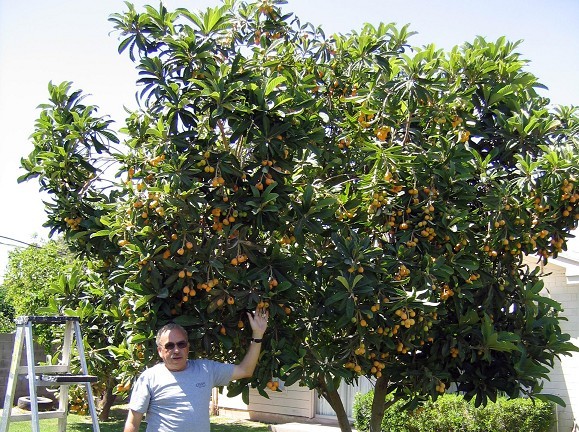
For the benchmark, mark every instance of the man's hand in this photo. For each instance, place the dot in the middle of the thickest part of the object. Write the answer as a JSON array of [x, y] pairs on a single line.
[[258, 322]]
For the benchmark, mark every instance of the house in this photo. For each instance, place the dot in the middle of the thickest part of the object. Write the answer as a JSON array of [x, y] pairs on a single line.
[[562, 285], [561, 280]]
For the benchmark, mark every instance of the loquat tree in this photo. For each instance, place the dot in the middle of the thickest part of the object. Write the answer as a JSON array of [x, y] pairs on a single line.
[[378, 199]]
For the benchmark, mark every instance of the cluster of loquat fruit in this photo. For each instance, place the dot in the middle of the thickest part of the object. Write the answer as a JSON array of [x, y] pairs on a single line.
[[375, 368], [266, 179], [146, 203], [217, 181], [365, 120], [189, 292], [463, 136], [156, 160], [77, 402], [123, 387], [473, 277], [406, 317], [288, 239], [440, 387], [204, 163], [79, 407], [273, 385], [568, 193], [404, 343], [344, 215], [139, 352], [456, 121], [220, 220], [382, 133], [446, 292], [379, 199], [73, 223], [344, 143], [402, 272], [238, 260]]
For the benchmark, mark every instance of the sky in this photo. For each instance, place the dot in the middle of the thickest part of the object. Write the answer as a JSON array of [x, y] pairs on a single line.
[[71, 40]]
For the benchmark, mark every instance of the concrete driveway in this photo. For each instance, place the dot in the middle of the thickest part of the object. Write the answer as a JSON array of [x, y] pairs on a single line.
[[304, 427]]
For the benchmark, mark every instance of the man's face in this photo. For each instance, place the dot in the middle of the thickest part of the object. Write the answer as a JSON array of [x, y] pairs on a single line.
[[175, 358]]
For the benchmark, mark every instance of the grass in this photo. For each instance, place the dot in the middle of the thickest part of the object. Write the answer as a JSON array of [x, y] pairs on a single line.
[[225, 424], [117, 418]]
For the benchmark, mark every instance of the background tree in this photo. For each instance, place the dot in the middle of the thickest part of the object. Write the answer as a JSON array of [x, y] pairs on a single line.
[[48, 279], [80, 291], [378, 199], [29, 274], [6, 313]]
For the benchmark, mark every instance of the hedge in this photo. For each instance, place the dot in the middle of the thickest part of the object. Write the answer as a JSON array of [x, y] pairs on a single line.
[[451, 413]]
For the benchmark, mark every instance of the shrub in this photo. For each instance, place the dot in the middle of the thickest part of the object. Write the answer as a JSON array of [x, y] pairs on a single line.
[[451, 413], [396, 419], [517, 415], [361, 410]]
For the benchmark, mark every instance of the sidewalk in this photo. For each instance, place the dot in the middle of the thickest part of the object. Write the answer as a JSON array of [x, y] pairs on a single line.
[[284, 423], [303, 427]]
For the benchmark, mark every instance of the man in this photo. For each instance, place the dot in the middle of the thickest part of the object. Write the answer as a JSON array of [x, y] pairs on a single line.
[[175, 394]]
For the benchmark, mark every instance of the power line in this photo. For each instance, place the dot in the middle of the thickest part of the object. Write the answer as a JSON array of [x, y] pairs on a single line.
[[17, 241], [11, 245]]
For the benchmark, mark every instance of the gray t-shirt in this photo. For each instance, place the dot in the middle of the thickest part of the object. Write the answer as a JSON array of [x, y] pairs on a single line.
[[178, 401]]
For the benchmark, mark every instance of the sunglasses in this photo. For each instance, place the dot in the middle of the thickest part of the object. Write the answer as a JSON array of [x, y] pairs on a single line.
[[170, 346]]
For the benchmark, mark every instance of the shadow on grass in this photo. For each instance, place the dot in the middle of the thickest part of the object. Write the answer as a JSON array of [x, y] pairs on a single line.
[[224, 424], [118, 415], [116, 423], [77, 423]]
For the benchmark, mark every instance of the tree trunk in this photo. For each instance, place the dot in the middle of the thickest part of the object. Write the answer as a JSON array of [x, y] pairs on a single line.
[[106, 402], [337, 405], [378, 404]]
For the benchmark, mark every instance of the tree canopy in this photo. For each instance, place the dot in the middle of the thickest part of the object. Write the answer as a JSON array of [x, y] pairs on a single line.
[[29, 274], [377, 198]]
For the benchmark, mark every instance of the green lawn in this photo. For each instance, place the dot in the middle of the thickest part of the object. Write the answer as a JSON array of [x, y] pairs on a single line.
[[117, 420]]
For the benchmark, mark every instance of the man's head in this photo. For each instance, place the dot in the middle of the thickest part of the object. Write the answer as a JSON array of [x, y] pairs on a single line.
[[173, 346]]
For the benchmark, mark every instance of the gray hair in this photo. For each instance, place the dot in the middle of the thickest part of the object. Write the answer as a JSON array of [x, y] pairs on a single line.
[[169, 327]]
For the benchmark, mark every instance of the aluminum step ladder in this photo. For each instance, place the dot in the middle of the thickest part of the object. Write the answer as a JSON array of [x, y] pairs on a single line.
[[50, 375]]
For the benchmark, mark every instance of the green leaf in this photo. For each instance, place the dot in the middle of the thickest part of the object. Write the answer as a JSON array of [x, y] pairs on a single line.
[[357, 279], [245, 395], [335, 298], [144, 300], [465, 262], [185, 320], [469, 318], [136, 338], [498, 341], [350, 308], [550, 398], [101, 233], [307, 199], [273, 83], [293, 377], [344, 282]]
